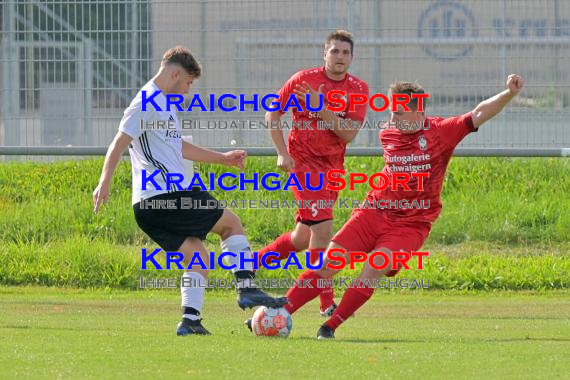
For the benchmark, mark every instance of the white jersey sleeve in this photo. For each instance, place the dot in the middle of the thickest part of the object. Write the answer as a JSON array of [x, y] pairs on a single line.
[[133, 117]]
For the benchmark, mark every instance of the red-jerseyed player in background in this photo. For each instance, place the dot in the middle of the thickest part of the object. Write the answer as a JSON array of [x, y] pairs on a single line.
[[316, 151], [371, 230]]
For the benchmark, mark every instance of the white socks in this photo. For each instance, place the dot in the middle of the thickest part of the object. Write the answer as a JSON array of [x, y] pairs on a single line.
[[192, 288], [193, 284], [237, 244]]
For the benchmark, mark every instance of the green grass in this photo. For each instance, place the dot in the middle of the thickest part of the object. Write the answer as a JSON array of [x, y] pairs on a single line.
[[81, 262], [501, 200], [59, 333]]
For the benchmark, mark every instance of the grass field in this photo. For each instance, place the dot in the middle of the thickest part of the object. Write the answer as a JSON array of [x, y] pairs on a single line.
[[81, 262], [55, 333], [499, 200]]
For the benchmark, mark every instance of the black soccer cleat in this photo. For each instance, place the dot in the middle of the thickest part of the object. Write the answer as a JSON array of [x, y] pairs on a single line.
[[247, 323], [189, 327], [251, 297], [325, 332]]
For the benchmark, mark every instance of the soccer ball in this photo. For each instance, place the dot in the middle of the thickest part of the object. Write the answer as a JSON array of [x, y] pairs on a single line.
[[271, 322]]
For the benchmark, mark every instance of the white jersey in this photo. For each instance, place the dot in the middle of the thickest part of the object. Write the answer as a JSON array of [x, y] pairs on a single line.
[[153, 149]]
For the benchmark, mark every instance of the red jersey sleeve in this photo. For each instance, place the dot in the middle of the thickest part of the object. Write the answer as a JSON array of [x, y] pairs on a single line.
[[287, 89], [359, 113], [452, 130]]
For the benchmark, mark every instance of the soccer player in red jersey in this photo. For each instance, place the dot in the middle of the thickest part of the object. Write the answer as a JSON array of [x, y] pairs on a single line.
[[388, 230], [313, 150]]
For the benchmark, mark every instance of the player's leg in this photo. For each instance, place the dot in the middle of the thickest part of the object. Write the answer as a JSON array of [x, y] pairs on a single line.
[[231, 231], [192, 289], [355, 296], [312, 284], [321, 233], [398, 237], [293, 241], [360, 233], [181, 230], [356, 235], [319, 217]]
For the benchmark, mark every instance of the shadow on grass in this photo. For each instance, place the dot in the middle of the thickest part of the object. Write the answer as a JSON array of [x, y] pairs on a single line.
[[528, 339], [367, 341], [380, 341]]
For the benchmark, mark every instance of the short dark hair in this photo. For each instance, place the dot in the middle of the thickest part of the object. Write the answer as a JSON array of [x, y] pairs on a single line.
[[340, 35], [182, 56], [408, 88]]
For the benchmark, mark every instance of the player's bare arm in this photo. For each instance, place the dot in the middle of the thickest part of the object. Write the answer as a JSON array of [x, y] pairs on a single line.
[[233, 158], [114, 153], [489, 108], [301, 90], [284, 160]]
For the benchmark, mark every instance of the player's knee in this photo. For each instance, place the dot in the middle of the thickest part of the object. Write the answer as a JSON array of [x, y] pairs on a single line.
[[371, 273], [326, 273], [323, 234], [230, 225]]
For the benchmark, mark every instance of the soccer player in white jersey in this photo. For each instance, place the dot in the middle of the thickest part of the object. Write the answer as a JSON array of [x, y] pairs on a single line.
[[180, 230]]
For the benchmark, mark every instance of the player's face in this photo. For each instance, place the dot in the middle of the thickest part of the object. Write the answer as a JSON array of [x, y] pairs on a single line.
[[409, 117], [183, 82], [338, 57]]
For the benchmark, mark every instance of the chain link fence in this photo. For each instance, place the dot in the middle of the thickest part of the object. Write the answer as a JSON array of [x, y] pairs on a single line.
[[69, 68]]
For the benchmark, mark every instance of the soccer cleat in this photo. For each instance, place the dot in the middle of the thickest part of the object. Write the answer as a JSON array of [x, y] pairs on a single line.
[[248, 324], [251, 297], [328, 312], [325, 332], [188, 327]]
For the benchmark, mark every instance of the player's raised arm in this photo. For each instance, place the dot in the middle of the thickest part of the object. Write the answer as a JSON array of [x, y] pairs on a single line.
[[284, 160], [487, 109], [114, 153]]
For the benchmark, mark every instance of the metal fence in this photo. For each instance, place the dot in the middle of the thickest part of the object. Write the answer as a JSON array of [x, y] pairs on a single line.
[[69, 68]]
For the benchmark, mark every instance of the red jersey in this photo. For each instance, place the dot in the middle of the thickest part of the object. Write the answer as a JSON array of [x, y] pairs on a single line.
[[320, 150], [426, 151]]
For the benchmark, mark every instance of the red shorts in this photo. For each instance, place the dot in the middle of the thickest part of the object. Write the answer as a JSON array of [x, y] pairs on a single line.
[[370, 229], [321, 201]]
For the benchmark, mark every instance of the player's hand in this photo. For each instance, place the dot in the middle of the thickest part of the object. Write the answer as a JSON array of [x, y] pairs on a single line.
[[235, 158], [100, 196], [301, 90], [514, 83], [285, 162]]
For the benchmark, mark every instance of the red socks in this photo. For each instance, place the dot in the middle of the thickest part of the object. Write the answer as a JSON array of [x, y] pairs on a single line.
[[282, 245], [315, 253], [327, 294], [298, 296], [352, 300]]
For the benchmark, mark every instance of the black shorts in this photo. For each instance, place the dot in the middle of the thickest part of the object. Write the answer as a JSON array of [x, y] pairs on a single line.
[[170, 227]]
